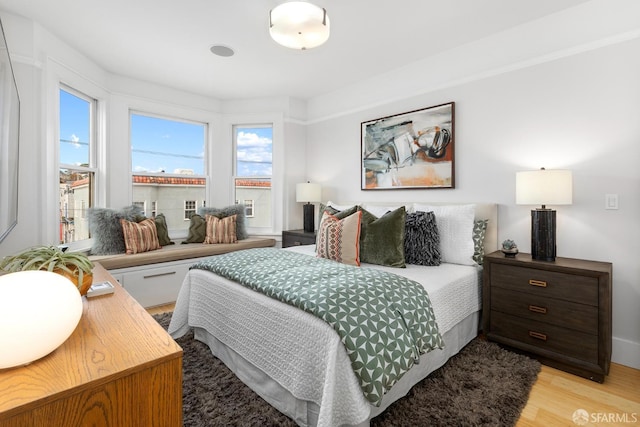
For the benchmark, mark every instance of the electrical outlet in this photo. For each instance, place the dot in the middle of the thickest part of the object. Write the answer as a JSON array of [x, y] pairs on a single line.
[[611, 201]]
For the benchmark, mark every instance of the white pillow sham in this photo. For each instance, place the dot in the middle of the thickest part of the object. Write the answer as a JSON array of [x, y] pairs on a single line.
[[455, 228]]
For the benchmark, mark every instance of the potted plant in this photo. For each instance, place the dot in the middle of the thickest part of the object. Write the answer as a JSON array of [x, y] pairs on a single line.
[[75, 266]]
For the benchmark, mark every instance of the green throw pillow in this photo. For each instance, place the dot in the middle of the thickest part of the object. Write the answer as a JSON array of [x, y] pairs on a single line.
[[163, 232], [197, 229], [382, 239]]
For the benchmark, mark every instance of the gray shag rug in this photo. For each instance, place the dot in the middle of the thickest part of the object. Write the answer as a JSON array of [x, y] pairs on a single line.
[[484, 385]]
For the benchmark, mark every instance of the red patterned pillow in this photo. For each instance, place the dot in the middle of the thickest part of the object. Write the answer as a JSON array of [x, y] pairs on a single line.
[[220, 230], [339, 239], [140, 236]]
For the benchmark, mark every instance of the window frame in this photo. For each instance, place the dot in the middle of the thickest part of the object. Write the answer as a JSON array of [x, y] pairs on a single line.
[[234, 132], [148, 111], [189, 209], [95, 140]]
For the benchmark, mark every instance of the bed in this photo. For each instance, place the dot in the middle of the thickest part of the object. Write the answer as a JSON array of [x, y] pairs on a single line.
[[297, 362]]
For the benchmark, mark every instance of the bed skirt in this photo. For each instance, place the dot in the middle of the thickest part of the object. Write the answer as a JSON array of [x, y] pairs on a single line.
[[305, 413]]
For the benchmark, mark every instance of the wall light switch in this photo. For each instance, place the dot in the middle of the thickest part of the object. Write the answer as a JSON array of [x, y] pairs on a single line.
[[611, 201]]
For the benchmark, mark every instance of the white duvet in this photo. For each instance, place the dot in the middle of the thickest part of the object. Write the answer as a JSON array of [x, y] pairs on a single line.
[[301, 352]]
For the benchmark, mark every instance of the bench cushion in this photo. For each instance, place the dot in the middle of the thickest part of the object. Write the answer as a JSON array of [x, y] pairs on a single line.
[[178, 252]]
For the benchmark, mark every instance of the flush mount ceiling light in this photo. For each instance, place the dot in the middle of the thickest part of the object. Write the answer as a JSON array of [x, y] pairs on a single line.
[[299, 25]]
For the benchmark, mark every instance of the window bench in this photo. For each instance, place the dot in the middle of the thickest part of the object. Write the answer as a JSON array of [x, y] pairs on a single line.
[[154, 278]]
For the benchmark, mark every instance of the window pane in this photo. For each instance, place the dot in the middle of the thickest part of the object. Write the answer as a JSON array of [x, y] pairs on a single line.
[[255, 194], [75, 129], [166, 146], [77, 173], [175, 148], [253, 151], [76, 194], [253, 169]]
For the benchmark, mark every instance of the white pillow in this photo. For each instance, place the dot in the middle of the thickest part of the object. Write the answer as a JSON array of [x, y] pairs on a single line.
[[455, 228]]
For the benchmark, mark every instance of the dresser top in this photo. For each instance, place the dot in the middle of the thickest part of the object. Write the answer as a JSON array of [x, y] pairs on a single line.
[[560, 264], [115, 337]]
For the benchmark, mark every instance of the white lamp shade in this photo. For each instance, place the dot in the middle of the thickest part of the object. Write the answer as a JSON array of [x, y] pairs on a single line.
[[308, 192], [39, 310], [299, 25], [544, 187]]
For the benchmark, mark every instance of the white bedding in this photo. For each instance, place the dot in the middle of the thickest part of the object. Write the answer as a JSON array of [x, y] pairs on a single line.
[[302, 353]]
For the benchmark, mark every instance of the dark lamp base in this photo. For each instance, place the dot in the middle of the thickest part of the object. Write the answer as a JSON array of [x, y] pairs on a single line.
[[308, 217], [543, 235]]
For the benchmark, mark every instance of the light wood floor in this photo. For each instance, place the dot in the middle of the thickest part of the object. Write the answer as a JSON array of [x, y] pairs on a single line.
[[556, 395]]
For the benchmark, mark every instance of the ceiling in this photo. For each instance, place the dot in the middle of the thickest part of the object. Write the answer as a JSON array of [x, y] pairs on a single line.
[[167, 41]]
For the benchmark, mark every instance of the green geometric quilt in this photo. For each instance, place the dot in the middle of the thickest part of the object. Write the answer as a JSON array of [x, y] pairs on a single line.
[[385, 321]]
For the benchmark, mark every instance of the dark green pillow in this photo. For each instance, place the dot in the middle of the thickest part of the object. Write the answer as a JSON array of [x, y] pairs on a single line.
[[197, 229], [163, 232], [382, 239], [340, 214]]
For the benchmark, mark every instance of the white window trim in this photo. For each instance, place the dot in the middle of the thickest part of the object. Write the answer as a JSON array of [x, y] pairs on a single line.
[[277, 158], [60, 77]]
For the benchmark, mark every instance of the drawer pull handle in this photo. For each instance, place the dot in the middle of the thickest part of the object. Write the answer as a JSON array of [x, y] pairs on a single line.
[[150, 276], [537, 335], [296, 243], [539, 283], [536, 309]]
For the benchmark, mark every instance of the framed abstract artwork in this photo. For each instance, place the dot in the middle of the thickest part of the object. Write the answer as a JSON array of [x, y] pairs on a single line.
[[409, 150]]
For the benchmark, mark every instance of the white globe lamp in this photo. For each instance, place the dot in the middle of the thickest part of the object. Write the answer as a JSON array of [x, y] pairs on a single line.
[[39, 310]]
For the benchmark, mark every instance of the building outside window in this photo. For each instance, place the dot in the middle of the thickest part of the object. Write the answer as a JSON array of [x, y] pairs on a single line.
[[248, 205], [189, 209], [168, 166], [77, 163], [141, 206], [253, 171]]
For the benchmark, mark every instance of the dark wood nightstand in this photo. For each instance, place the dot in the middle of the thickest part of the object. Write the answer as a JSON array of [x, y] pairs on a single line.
[[297, 238], [558, 311]]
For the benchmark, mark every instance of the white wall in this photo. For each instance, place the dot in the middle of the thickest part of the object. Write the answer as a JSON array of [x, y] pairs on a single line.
[[578, 112]]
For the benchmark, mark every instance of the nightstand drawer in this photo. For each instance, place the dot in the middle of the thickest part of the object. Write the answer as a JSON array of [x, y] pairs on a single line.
[[579, 317], [550, 284], [297, 238], [551, 338]]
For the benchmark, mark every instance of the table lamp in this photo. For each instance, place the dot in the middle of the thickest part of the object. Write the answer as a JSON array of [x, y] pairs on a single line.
[[39, 310], [544, 187], [308, 192]]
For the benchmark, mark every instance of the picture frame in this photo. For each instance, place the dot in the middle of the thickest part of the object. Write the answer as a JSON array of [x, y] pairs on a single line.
[[412, 150], [9, 140]]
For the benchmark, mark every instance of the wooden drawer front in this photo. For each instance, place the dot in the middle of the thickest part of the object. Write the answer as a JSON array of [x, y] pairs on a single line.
[[297, 240], [155, 286], [545, 336], [580, 317], [569, 287]]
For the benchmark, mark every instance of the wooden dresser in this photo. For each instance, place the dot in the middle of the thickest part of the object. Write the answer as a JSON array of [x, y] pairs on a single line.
[[119, 368], [558, 311]]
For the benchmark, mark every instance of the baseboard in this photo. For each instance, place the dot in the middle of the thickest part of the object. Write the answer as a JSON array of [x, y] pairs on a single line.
[[625, 352]]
